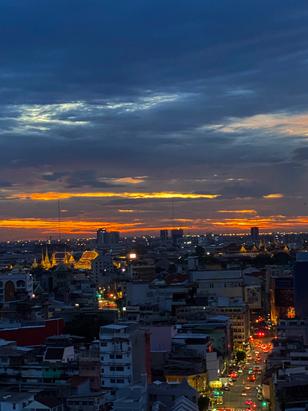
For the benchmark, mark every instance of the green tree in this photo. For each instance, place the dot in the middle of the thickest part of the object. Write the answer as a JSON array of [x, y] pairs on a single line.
[[203, 403], [240, 356]]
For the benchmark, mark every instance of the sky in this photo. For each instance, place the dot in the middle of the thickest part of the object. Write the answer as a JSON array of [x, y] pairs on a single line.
[[139, 115]]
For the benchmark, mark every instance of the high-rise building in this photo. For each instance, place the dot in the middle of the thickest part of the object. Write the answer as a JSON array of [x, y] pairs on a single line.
[[176, 235], [254, 233], [114, 237], [164, 235], [301, 285], [125, 354], [106, 238]]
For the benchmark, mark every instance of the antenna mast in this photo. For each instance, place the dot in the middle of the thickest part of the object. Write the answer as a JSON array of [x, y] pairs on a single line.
[[59, 220]]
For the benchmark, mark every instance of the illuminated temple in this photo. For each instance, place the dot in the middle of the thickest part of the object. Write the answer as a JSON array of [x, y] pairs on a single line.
[[66, 258]]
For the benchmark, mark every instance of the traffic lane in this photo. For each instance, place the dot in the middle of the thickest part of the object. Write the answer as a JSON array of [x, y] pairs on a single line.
[[234, 397]]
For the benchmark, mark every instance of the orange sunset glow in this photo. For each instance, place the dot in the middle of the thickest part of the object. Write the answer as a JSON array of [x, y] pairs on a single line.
[[89, 227], [51, 196]]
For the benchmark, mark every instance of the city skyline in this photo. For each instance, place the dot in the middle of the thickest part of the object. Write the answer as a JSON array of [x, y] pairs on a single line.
[[149, 115]]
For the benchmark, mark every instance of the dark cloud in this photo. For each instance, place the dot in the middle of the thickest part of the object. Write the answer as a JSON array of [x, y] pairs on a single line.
[[172, 90]]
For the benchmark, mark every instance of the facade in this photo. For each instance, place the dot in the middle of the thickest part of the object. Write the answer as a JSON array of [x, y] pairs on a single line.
[[301, 285], [132, 398], [103, 270], [15, 401], [125, 354], [164, 235], [176, 235], [239, 315], [281, 298], [222, 283], [167, 393], [254, 234], [293, 328], [90, 366], [31, 333], [15, 286], [106, 238]]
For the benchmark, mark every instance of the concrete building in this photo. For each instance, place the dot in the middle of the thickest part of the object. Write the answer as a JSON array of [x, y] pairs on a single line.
[[15, 285], [166, 393], [176, 235], [90, 366], [15, 401], [293, 328], [106, 239], [125, 354], [162, 296], [301, 285], [164, 235], [103, 270], [222, 283], [281, 298], [254, 234], [132, 398], [239, 315]]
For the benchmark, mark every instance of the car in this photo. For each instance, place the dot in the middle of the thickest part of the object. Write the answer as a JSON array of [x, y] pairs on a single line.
[[251, 378], [248, 402], [259, 397], [244, 394], [247, 388]]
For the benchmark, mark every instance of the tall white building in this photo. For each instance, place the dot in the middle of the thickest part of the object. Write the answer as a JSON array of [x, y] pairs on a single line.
[[124, 354]]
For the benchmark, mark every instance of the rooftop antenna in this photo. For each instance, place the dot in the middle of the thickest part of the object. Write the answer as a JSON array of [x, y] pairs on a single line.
[[59, 220]]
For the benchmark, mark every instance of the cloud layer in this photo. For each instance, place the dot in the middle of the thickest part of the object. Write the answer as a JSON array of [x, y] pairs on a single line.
[[153, 111]]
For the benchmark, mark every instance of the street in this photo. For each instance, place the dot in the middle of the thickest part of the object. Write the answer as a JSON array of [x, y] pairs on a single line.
[[243, 394]]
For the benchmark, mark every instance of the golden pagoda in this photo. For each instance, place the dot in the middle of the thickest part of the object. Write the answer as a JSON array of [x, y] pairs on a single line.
[[243, 249], [66, 259], [71, 260], [47, 261], [286, 249], [53, 260], [34, 264]]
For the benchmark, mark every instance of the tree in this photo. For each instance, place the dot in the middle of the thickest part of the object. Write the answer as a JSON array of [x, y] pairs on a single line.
[[203, 403], [199, 251], [240, 356]]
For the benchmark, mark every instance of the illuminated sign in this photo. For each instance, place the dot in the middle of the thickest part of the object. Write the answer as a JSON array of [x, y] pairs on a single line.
[[215, 384]]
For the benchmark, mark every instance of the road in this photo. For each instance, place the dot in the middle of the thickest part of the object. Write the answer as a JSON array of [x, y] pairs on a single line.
[[243, 390]]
